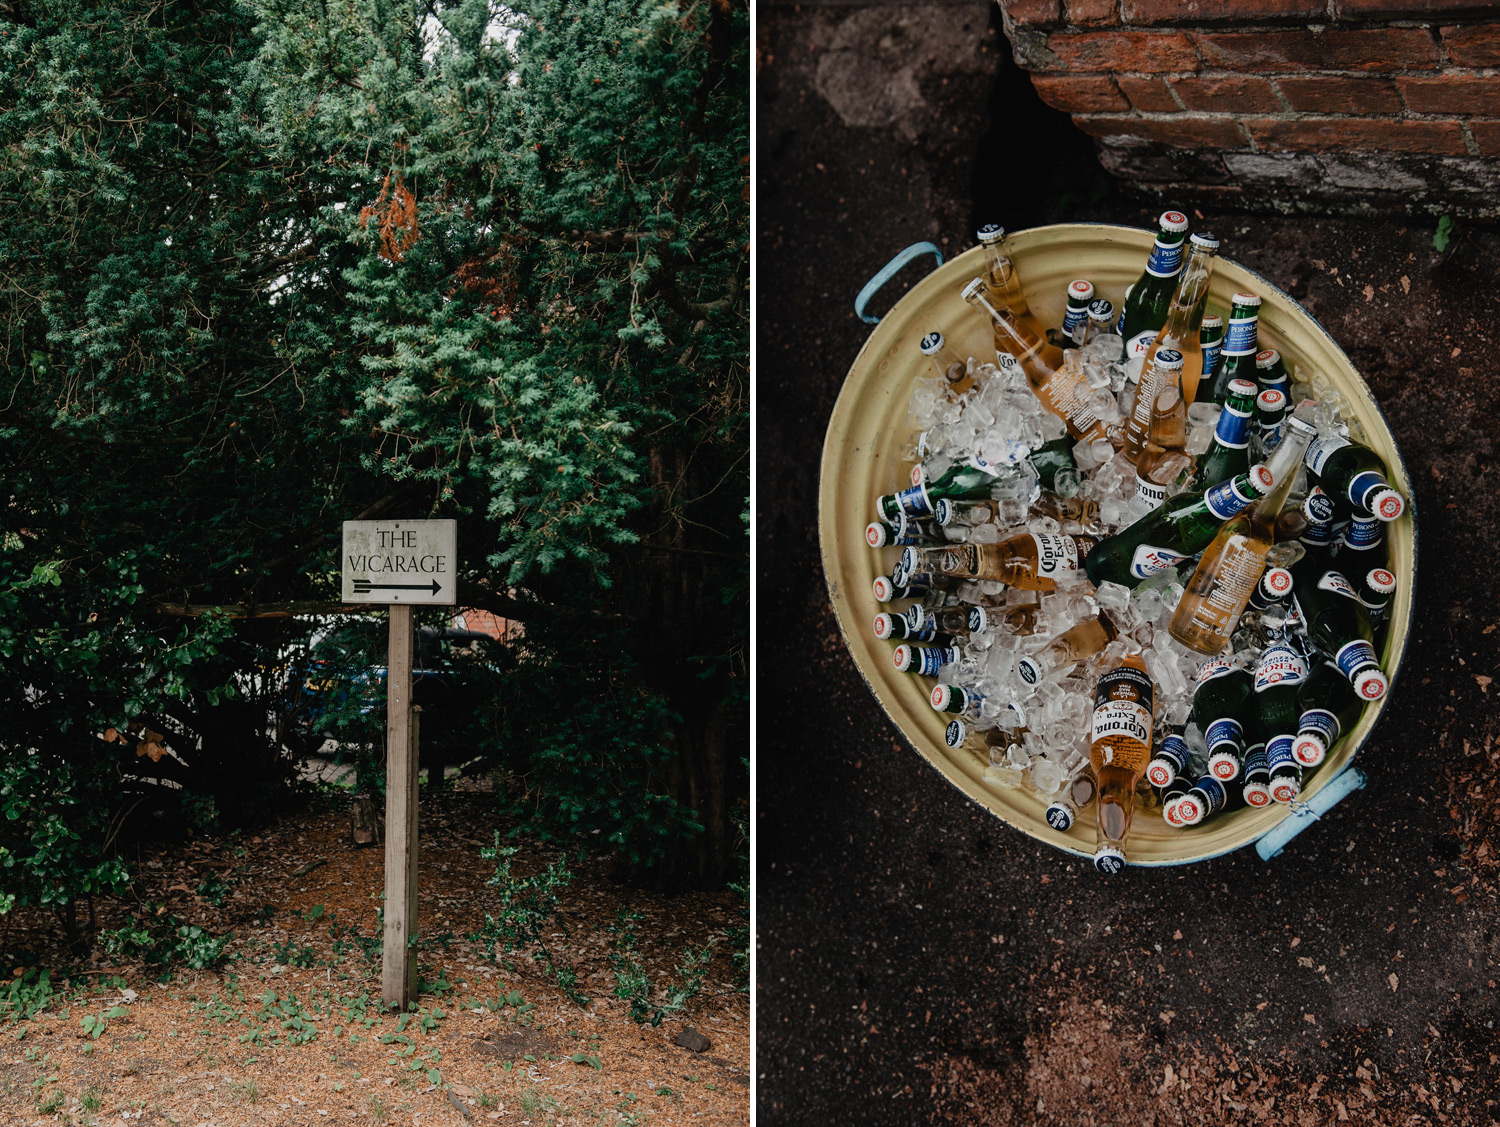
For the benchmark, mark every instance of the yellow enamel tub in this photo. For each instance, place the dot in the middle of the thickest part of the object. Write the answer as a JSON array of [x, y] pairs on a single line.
[[862, 460]]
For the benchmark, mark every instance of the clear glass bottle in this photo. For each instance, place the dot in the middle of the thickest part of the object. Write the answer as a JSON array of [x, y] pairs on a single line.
[[1119, 749]]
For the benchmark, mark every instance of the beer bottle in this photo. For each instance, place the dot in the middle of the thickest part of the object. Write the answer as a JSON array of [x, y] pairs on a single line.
[[1051, 458], [1328, 706], [1165, 457], [1207, 797], [1076, 316], [1149, 300], [1065, 393], [1376, 591], [956, 699], [1338, 624], [1101, 319], [1082, 640], [1119, 746], [1270, 373], [1362, 543], [1257, 786], [1171, 797], [887, 590], [1281, 670], [899, 533], [1216, 595], [1239, 349], [1270, 413], [1211, 341], [1179, 529], [960, 621], [952, 369], [1003, 283], [924, 661], [1230, 452], [1064, 509], [1317, 509], [953, 512], [1162, 372], [902, 628], [1009, 727], [1180, 332], [962, 480], [1171, 760], [1031, 561], [1222, 705], [1274, 586], [1348, 470]]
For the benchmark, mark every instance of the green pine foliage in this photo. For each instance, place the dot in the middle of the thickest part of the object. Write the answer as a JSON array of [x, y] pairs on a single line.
[[271, 266]]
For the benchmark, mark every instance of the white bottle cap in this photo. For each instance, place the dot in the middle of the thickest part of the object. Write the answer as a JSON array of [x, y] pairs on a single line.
[[1109, 859], [1371, 684], [1309, 750]]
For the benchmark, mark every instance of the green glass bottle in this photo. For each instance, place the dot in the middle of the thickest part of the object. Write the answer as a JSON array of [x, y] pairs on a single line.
[[1223, 707], [1230, 452], [1051, 457], [1211, 341], [1338, 624], [1238, 352], [1354, 472], [1149, 300], [962, 480], [1180, 529], [1329, 707]]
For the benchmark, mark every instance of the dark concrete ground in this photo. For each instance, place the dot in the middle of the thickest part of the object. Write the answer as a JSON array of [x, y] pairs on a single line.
[[919, 961]]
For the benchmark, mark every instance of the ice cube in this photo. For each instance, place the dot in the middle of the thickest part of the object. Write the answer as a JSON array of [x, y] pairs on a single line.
[[987, 533], [1204, 414], [1046, 775], [1198, 440]]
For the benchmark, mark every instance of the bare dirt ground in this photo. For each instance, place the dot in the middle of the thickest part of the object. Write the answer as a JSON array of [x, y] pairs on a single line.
[[288, 1029], [919, 961]]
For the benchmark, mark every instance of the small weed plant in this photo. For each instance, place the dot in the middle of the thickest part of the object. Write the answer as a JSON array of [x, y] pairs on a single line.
[[528, 913], [633, 983]]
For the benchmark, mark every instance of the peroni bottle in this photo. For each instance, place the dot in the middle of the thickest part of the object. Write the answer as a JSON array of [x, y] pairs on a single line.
[[1270, 373], [1338, 624], [1181, 528], [1211, 341], [1149, 300], [1184, 322], [1230, 452], [1281, 670], [1119, 747], [1328, 706], [1238, 353], [1223, 703], [1076, 316], [1347, 469]]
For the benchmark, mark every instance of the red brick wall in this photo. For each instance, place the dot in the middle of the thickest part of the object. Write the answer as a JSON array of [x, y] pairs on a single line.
[[1285, 103]]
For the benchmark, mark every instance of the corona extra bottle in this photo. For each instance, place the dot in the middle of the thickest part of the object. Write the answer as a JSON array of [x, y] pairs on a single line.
[[1119, 747], [1181, 528], [1066, 393], [952, 369], [1030, 561], [1165, 457], [1238, 353], [1084, 639], [1149, 300], [1101, 318], [1231, 566]]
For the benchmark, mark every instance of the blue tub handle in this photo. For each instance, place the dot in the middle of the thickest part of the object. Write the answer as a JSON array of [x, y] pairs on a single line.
[[889, 271], [1306, 813]]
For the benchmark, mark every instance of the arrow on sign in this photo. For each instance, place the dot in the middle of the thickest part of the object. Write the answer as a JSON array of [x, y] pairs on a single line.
[[364, 587]]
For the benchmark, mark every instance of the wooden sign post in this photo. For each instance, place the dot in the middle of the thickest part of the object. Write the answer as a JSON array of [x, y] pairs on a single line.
[[400, 563]]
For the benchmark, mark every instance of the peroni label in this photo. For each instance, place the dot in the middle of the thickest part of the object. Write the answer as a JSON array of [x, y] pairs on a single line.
[[1239, 337], [1333, 581], [1150, 560], [1362, 533], [1165, 260], [1214, 667], [1224, 500], [1233, 429], [1225, 732], [1279, 751], [1321, 723], [1321, 449], [1354, 656], [1280, 665]]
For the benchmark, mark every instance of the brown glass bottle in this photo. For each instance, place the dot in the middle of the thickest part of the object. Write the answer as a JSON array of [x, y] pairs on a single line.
[[1119, 749], [1030, 561]]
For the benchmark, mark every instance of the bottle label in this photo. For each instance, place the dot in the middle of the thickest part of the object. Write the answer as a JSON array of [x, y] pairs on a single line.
[[1121, 727], [1233, 429], [1214, 667], [1333, 581], [978, 463], [1150, 560], [1255, 760], [926, 661], [1362, 485], [1321, 449], [1362, 533], [1175, 748], [1239, 337], [1320, 722], [1121, 718], [1137, 347], [1165, 260], [1279, 751], [1224, 501], [1280, 665], [1055, 553], [1211, 357], [1150, 492], [1354, 656], [914, 502], [1224, 731], [1213, 792], [1073, 320]]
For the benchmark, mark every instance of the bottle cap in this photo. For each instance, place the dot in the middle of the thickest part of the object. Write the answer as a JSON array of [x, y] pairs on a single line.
[[1080, 290], [1060, 817], [1190, 808], [1284, 788], [1257, 793], [1224, 766], [979, 620], [931, 343], [1270, 401], [942, 512], [990, 233], [1261, 476], [1101, 309], [904, 657], [918, 474], [1267, 358], [1242, 387], [955, 734], [1309, 750], [1108, 858], [877, 534], [1371, 684], [1302, 426], [1212, 321], [1381, 581], [1276, 583], [909, 559], [1170, 811], [1173, 221], [1168, 358], [1030, 670], [942, 696], [1161, 771], [885, 625], [1386, 503], [974, 287], [1020, 714], [1205, 240], [1245, 298], [1318, 507], [884, 589]]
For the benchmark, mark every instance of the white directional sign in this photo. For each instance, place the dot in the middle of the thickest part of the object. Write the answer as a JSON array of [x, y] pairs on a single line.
[[401, 561]]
